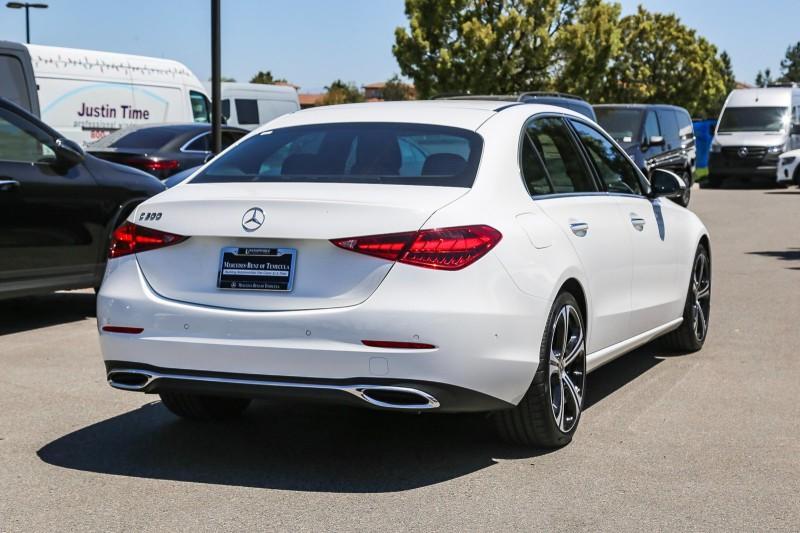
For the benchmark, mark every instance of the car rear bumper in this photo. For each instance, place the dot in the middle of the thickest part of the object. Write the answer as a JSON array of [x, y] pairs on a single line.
[[484, 357]]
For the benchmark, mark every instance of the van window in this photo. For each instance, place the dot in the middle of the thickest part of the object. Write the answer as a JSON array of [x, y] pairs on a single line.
[[753, 119], [562, 160], [200, 107], [685, 123], [226, 109], [651, 127], [358, 152], [621, 123], [669, 126], [12, 82], [247, 111]]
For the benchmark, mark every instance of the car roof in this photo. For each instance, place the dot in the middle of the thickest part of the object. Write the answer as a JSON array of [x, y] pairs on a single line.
[[639, 106], [465, 114]]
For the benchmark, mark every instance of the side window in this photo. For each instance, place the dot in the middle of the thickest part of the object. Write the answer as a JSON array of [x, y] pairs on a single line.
[[533, 170], [201, 144], [12, 82], [669, 127], [200, 107], [651, 127], [246, 111], [686, 126], [17, 144], [562, 160], [226, 109], [618, 174], [230, 137]]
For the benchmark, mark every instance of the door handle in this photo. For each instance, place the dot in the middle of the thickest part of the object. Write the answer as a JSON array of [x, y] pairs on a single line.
[[579, 228], [7, 185], [637, 221]]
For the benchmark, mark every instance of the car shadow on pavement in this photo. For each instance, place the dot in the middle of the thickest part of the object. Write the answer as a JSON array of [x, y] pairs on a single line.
[[309, 447], [34, 312], [792, 254]]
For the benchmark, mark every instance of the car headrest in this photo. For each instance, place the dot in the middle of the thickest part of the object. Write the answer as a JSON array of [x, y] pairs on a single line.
[[300, 164], [377, 154], [443, 165]]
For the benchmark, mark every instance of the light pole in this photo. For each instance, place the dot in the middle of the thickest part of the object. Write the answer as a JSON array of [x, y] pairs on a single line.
[[216, 74], [27, 6]]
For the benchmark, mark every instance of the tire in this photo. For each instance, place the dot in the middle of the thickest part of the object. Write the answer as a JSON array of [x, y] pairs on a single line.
[[692, 333], [537, 421], [796, 175], [687, 178], [197, 407]]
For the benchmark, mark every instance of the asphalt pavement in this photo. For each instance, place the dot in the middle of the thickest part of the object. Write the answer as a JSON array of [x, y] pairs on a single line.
[[702, 442]]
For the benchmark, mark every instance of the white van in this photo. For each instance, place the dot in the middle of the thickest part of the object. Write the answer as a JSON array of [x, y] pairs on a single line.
[[86, 94], [249, 105], [755, 127]]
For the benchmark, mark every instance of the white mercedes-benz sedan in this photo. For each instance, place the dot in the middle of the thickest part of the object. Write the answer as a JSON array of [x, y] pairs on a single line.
[[440, 256]]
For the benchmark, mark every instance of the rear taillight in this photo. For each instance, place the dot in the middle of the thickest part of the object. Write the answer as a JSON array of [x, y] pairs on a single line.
[[153, 165], [131, 239], [441, 248]]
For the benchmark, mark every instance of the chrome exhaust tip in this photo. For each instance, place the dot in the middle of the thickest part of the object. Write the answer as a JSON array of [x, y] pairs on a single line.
[[133, 380], [395, 397]]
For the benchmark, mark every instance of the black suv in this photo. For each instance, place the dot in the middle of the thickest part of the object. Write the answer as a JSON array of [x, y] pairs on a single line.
[[655, 136], [58, 207], [567, 101]]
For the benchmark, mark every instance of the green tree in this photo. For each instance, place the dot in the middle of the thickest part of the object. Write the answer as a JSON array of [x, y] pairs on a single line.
[[663, 61], [764, 78], [266, 78], [727, 72], [481, 46], [790, 65], [395, 89], [340, 92], [587, 48]]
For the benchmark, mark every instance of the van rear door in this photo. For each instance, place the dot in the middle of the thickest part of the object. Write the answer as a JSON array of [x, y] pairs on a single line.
[[17, 83]]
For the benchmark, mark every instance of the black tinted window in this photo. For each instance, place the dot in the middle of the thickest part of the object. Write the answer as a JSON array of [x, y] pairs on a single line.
[[533, 170], [651, 126], [201, 144], [614, 169], [621, 123], [406, 154], [669, 126], [685, 124], [230, 137], [246, 111], [562, 160], [753, 119], [12, 82], [226, 109]]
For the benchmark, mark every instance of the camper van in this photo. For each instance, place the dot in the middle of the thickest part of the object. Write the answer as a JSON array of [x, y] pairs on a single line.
[[248, 105], [86, 94], [756, 126]]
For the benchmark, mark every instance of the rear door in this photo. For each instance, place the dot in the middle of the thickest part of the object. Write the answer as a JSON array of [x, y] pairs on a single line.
[[656, 294], [51, 221], [564, 188]]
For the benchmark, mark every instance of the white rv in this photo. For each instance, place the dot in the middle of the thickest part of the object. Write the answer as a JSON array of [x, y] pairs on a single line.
[[249, 105], [755, 127], [86, 94]]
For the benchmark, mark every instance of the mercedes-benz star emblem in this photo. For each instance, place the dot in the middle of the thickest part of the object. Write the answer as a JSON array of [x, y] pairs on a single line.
[[252, 219], [743, 151]]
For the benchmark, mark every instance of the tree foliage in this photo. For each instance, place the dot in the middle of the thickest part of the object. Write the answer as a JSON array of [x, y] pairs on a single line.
[[340, 92], [579, 46], [764, 78], [267, 78], [395, 89], [790, 65]]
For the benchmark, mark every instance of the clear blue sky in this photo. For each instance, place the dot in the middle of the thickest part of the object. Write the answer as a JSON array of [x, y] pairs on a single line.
[[313, 42]]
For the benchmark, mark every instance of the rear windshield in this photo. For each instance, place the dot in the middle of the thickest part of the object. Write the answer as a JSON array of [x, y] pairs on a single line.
[[364, 152], [622, 124], [753, 119], [143, 139]]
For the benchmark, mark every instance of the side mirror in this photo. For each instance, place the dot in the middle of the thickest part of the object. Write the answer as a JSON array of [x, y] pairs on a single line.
[[666, 184], [655, 140], [795, 129], [68, 152]]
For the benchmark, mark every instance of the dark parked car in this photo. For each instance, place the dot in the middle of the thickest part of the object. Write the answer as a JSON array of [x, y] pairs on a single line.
[[58, 207], [568, 101], [655, 136], [164, 149]]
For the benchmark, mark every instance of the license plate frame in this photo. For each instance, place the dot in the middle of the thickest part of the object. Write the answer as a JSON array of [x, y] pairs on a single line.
[[254, 272]]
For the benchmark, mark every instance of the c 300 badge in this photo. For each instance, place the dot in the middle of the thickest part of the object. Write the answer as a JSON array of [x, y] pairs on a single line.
[[149, 215]]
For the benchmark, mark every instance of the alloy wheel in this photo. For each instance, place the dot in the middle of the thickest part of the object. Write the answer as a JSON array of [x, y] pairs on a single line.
[[567, 368], [701, 290]]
